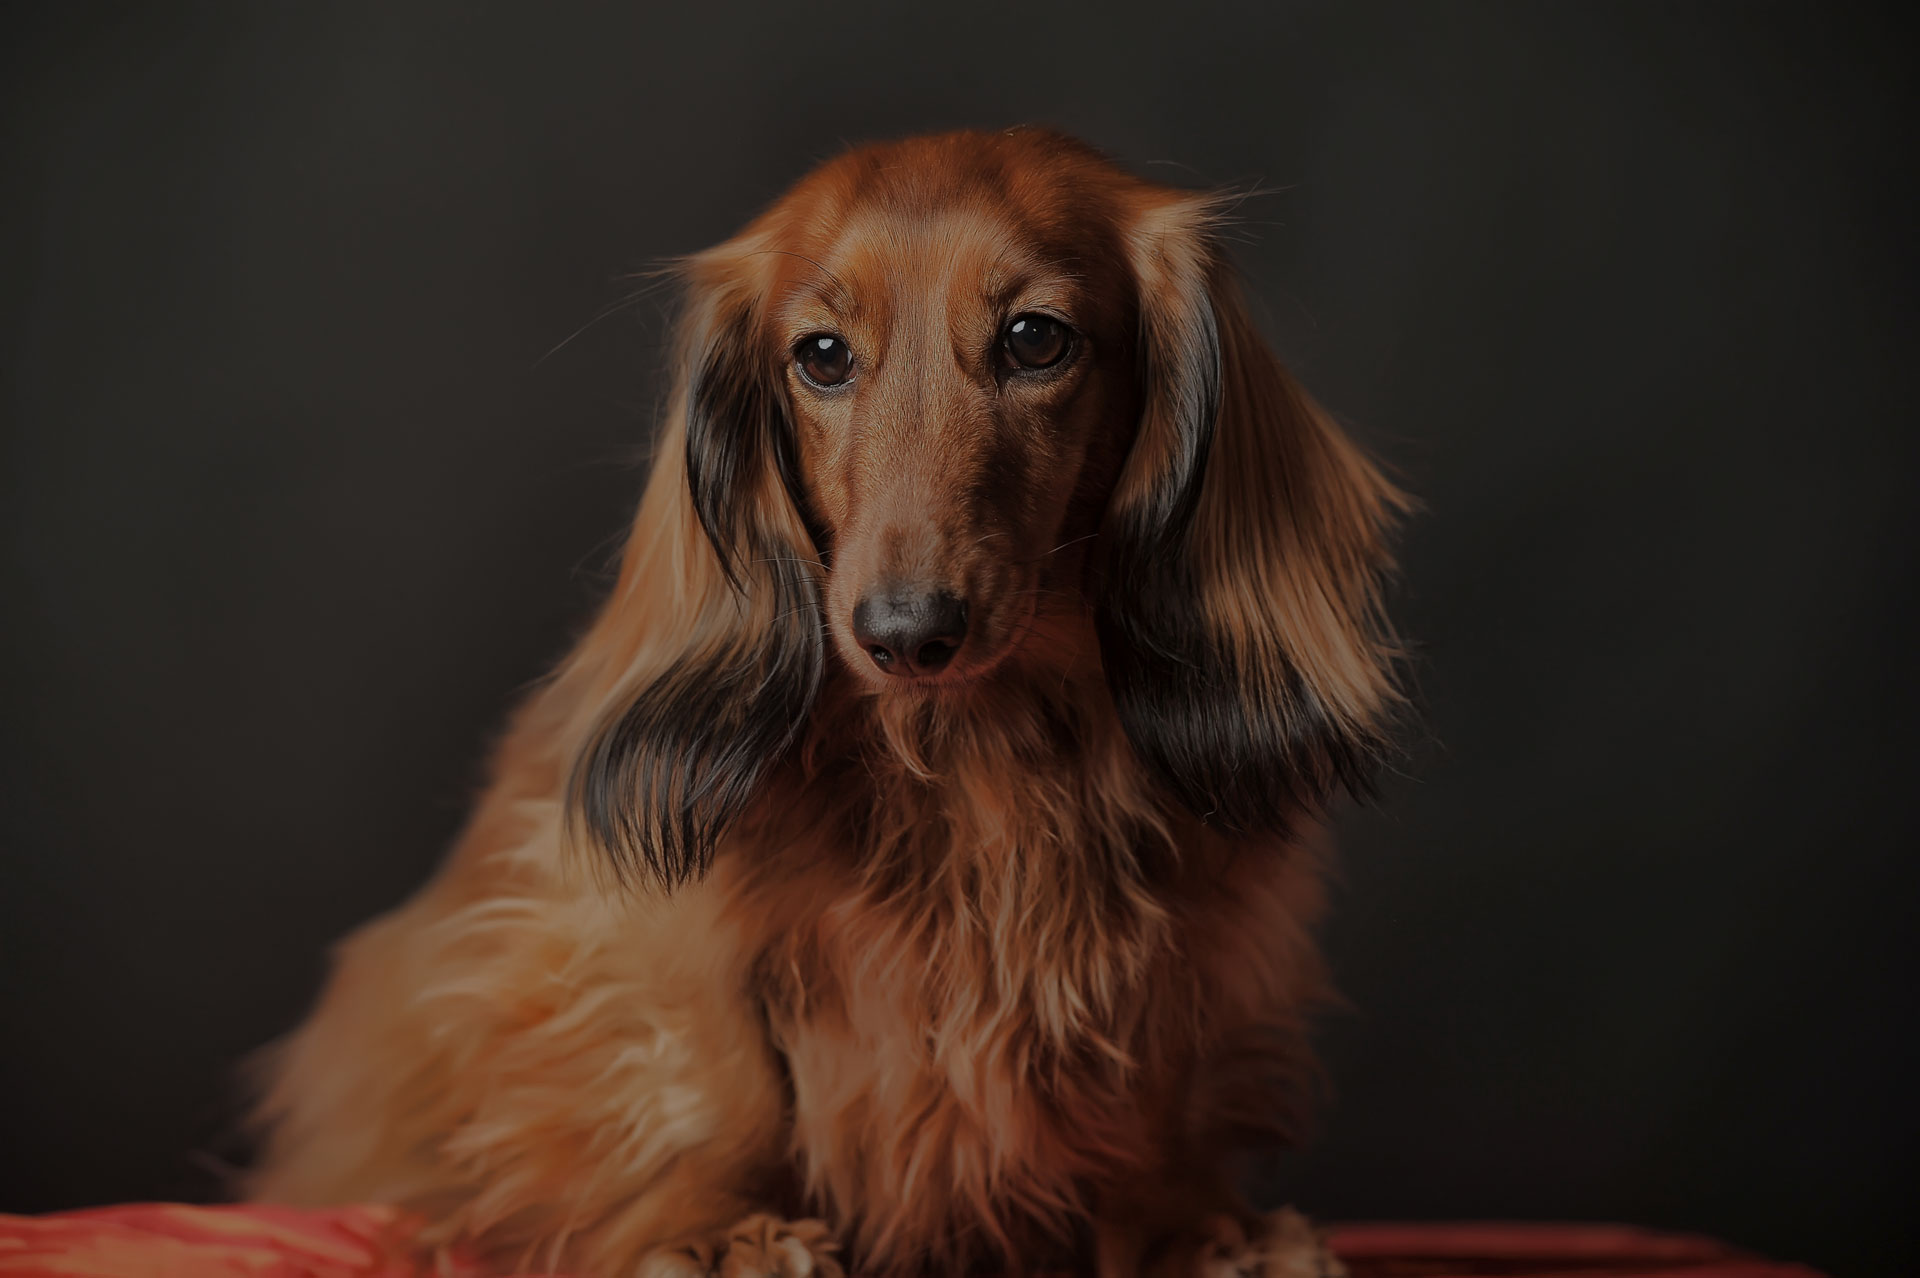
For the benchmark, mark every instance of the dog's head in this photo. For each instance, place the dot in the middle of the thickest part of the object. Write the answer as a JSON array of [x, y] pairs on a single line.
[[950, 391]]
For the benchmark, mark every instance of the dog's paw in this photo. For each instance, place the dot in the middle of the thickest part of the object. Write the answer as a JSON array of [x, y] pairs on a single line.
[[758, 1247], [1281, 1244]]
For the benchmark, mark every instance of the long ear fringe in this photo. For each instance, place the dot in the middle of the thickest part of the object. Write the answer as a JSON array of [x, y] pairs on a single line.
[[720, 589], [1240, 619], [663, 776]]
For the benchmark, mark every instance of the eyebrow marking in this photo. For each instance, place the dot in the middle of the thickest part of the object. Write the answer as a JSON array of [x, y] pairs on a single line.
[[834, 292]]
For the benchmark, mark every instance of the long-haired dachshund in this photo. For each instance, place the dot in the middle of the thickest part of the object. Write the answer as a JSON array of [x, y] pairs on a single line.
[[913, 866]]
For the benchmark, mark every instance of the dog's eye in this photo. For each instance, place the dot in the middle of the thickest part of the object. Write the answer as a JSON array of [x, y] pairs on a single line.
[[824, 359], [1035, 341]]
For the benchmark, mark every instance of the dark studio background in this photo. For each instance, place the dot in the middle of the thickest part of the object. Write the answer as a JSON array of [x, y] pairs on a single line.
[[294, 505]]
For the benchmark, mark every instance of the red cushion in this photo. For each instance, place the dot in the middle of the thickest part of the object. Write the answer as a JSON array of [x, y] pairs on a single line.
[[160, 1240], [1458, 1250]]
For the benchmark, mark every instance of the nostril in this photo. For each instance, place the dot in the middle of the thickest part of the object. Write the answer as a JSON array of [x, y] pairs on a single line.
[[935, 653], [881, 657]]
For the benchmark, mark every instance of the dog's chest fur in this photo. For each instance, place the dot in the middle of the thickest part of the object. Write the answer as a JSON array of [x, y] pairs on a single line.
[[985, 1005], [968, 1074]]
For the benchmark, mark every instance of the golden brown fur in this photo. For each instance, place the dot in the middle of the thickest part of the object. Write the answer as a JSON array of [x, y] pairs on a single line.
[[993, 968]]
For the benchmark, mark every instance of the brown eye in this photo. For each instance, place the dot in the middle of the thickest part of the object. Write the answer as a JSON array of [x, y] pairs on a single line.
[[1035, 341], [824, 359]]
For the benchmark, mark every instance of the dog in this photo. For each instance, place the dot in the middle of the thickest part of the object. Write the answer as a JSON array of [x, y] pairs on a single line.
[[913, 868]]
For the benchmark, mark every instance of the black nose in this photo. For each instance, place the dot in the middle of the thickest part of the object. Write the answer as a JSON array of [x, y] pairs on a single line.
[[910, 629]]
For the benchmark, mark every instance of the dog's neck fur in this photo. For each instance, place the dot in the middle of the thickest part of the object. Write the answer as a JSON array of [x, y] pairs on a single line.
[[1008, 819], [1026, 764]]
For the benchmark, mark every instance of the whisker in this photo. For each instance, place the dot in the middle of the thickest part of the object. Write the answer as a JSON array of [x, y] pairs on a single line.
[[606, 312], [794, 612], [1071, 542]]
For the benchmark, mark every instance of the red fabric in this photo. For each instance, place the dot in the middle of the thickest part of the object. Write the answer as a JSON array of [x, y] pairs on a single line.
[[1540, 1251], [159, 1240], [165, 1240]]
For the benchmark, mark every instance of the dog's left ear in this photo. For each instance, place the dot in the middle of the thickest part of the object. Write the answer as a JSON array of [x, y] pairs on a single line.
[[1240, 616]]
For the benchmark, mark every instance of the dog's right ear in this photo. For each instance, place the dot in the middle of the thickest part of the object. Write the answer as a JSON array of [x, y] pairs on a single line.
[[715, 631]]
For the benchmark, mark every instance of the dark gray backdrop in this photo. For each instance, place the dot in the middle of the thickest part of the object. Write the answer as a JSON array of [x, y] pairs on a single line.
[[293, 506]]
